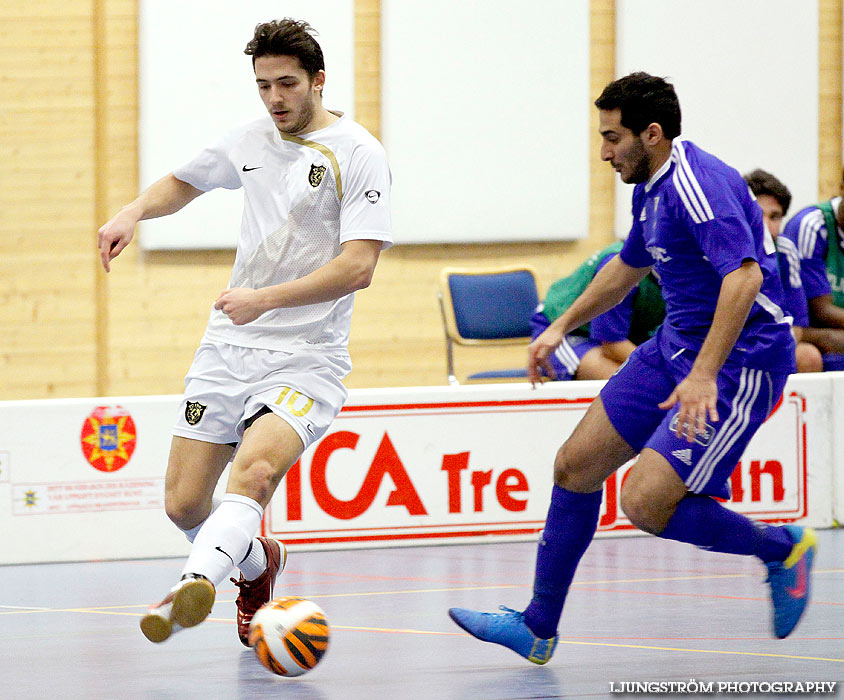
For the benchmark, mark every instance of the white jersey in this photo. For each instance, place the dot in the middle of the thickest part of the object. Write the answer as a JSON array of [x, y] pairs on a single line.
[[304, 196]]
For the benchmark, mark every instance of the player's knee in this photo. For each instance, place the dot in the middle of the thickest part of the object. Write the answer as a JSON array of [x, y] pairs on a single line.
[[809, 358], [257, 478], [572, 473], [643, 512], [183, 512]]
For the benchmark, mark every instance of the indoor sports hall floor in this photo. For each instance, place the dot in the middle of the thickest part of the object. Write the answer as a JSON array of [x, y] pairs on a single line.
[[641, 609]]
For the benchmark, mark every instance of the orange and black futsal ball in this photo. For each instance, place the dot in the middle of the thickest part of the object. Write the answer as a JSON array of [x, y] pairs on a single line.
[[289, 635]]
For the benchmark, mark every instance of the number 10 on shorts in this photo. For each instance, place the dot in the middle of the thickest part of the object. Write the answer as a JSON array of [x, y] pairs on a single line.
[[293, 397]]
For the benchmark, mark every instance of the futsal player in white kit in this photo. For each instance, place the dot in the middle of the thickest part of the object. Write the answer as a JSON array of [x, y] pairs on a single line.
[[266, 381]]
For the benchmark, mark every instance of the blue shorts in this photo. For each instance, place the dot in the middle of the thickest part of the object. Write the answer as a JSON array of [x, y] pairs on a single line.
[[566, 359], [746, 397]]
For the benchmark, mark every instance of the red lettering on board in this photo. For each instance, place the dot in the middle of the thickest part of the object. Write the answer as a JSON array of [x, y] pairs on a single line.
[[386, 461], [453, 465], [293, 481], [773, 469], [611, 501], [503, 490], [479, 480]]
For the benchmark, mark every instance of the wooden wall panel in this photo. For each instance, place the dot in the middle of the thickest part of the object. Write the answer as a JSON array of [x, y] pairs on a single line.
[[156, 304], [829, 97], [70, 160], [46, 200]]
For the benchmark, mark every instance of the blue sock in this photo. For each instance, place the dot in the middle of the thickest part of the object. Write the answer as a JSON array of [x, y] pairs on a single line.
[[569, 528], [705, 523]]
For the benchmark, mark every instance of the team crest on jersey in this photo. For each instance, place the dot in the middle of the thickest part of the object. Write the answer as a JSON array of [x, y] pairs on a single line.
[[194, 411], [315, 176]]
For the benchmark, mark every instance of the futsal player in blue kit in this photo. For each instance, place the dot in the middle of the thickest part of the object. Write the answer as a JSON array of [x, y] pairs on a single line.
[[774, 198], [810, 231], [687, 401]]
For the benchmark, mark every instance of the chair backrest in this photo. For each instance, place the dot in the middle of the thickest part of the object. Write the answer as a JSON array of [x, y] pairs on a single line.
[[488, 305]]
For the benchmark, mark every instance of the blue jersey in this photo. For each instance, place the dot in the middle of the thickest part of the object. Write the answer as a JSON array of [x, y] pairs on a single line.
[[807, 230], [696, 221], [794, 300]]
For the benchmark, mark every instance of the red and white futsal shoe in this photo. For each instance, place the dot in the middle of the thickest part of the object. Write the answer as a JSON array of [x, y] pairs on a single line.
[[253, 594]]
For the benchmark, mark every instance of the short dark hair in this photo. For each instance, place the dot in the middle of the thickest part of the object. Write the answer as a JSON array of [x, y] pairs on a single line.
[[287, 37], [762, 182], [643, 99]]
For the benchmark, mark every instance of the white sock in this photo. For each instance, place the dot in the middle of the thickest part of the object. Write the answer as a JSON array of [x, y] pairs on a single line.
[[194, 531], [255, 562], [224, 538]]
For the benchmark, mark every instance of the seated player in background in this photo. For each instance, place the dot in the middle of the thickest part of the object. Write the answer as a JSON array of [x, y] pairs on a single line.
[[597, 349], [774, 198], [822, 273]]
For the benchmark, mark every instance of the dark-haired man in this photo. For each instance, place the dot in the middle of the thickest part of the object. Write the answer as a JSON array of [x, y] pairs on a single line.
[[687, 401], [817, 232], [266, 381], [774, 198]]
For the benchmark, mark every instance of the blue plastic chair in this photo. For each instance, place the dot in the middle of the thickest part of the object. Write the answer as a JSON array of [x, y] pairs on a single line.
[[487, 307]]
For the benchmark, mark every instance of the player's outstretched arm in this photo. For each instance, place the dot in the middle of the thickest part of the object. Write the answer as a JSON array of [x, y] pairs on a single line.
[[348, 272], [163, 197], [608, 288]]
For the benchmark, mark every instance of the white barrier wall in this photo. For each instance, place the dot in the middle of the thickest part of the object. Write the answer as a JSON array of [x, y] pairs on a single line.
[[84, 478]]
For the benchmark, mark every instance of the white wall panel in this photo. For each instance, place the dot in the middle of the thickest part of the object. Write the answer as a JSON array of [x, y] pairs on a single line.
[[746, 76], [486, 119]]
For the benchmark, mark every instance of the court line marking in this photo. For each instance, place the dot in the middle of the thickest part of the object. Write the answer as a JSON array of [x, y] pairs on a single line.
[[709, 596], [388, 630], [701, 651], [18, 610], [599, 644]]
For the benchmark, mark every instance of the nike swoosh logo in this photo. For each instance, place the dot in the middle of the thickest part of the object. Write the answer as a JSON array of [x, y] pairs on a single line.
[[228, 555], [246, 170], [799, 591], [310, 429]]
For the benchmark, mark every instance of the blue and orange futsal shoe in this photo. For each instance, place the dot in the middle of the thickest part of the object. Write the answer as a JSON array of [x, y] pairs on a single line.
[[791, 580], [508, 629]]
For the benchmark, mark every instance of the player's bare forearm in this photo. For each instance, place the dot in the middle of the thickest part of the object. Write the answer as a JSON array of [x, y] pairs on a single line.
[[738, 292], [163, 197], [166, 196], [348, 272], [827, 340], [608, 288], [824, 313]]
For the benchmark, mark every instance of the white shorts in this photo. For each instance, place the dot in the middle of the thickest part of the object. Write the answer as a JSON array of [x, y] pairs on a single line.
[[227, 385]]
